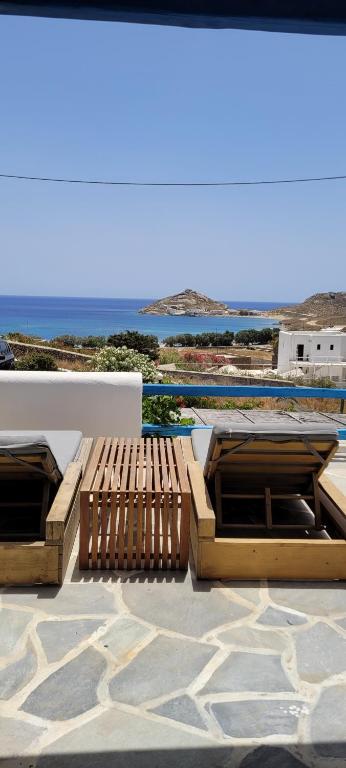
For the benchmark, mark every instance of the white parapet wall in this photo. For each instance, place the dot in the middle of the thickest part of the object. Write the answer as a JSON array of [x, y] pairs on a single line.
[[97, 404]]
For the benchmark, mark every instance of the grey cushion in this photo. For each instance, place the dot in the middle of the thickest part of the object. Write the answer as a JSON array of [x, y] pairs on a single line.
[[203, 440], [63, 444]]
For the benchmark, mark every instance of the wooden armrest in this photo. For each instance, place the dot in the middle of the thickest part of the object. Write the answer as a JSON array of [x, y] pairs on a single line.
[[203, 510], [63, 502]]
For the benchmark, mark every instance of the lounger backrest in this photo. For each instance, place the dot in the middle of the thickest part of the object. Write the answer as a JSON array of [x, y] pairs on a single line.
[[97, 404], [25, 454], [286, 456]]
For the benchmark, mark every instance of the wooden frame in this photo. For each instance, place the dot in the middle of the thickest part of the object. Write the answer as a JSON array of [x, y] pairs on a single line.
[[45, 562], [260, 558], [135, 506], [275, 470]]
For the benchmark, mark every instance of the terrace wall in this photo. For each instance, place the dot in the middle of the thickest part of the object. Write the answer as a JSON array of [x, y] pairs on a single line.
[[200, 377]]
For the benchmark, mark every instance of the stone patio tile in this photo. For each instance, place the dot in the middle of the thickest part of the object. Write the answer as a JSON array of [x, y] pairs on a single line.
[[321, 652], [251, 637], [272, 757], [319, 599], [163, 666], [181, 606], [328, 723], [249, 590], [18, 674], [60, 637], [255, 719], [249, 672], [124, 636], [121, 740], [70, 690], [12, 626], [276, 618], [15, 736], [341, 623], [70, 599], [183, 709]]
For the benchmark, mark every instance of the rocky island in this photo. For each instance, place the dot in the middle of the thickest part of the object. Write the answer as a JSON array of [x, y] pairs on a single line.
[[191, 303]]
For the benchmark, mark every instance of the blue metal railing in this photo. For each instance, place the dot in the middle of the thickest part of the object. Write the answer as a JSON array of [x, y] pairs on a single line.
[[215, 390], [197, 390]]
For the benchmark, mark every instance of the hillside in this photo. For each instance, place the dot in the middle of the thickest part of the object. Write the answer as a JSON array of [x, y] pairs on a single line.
[[317, 311], [188, 302]]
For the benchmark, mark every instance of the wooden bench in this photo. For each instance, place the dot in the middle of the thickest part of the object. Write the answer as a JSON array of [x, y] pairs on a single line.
[[135, 506]]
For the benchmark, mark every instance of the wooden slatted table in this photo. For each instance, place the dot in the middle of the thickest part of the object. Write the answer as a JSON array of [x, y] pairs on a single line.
[[135, 503]]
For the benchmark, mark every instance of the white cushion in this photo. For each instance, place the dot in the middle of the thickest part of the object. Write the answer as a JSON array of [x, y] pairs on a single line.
[[62, 444], [96, 404]]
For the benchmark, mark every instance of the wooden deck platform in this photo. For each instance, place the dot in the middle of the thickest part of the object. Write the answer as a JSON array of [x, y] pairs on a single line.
[[211, 417]]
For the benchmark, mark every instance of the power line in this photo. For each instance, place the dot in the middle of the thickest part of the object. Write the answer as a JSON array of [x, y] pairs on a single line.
[[103, 182]]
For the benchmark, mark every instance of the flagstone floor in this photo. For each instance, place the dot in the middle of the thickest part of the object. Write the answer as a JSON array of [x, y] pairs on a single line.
[[165, 671]]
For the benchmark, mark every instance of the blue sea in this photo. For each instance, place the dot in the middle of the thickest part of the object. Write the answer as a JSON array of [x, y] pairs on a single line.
[[49, 316]]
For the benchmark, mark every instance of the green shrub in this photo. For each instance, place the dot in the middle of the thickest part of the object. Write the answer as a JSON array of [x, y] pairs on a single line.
[[254, 336], [69, 340], [162, 409], [211, 339], [145, 343], [168, 356], [123, 359], [24, 338], [93, 342], [36, 361]]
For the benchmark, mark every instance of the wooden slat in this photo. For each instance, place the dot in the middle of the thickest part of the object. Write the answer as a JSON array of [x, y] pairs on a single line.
[[187, 450], [131, 500], [174, 509], [148, 503], [122, 503], [157, 508], [114, 491], [166, 495], [140, 484], [108, 510], [95, 530], [104, 472], [92, 465]]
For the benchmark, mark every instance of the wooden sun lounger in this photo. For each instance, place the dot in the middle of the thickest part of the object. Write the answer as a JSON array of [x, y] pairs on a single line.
[[40, 555], [266, 553], [269, 465]]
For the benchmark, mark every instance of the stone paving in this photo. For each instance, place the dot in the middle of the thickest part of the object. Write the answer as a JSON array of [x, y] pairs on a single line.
[[163, 670], [137, 670]]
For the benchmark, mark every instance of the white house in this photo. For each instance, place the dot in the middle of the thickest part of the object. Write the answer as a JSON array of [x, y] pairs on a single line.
[[313, 354]]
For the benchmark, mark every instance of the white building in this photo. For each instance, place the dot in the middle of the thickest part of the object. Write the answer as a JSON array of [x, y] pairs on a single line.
[[313, 354]]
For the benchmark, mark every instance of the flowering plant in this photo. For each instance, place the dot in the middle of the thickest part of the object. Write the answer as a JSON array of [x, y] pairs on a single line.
[[124, 359]]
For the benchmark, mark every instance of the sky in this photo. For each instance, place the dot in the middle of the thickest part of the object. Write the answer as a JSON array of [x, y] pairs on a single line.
[[83, 99]]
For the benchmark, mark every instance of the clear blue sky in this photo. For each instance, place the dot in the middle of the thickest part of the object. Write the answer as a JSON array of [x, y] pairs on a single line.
[[119, 101]]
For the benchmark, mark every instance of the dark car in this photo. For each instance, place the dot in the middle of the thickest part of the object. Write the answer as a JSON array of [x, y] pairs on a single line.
[[6, 355]]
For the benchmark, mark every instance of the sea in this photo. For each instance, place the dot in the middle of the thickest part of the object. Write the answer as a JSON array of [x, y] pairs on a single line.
[[50, 316]]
